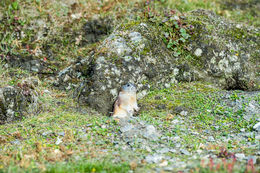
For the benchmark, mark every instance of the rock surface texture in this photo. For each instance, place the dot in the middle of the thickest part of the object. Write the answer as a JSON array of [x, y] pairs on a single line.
[[127, 56], [223, 53], [15, 102], [228, 53]]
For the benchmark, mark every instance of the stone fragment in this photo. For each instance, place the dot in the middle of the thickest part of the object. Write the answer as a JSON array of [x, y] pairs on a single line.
[[240, 156], [185, 152], [257, 127]]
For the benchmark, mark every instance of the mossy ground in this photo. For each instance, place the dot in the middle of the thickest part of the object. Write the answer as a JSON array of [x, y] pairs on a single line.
[[30, 145], [203, 100]]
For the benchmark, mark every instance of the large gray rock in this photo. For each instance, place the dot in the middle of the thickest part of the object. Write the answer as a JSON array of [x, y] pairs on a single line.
[[128, 55], [15, 102], [226, 53], [223, 53]]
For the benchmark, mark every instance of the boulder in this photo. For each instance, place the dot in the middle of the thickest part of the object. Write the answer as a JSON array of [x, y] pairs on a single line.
[[134, 55], [220, 52], [225, 53], [16, 102]]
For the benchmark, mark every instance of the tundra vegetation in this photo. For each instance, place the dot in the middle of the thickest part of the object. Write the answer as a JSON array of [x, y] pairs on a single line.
[[198, 88]]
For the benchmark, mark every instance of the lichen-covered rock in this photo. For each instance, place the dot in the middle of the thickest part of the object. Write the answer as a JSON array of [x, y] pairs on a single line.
[[132, 53], [222, 52], [15, 102], [69, 77], [227, 53]]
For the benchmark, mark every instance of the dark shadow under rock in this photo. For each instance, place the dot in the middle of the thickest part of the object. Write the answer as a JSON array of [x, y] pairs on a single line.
[[69, 77], [96, 29], [25, 62]]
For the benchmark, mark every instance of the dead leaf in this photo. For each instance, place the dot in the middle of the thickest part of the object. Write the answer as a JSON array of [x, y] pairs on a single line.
[[212, 147], [26, 160], [38, 147], [2, 140], [74, 7], [117, 120], [202, 146], [133, 165], [25, 163], [163, 163], [69, 136], [69, 152], [60, 95], [54, 155], [78, 40], [42, 167], [169, 117], [17, 135], [62, 148], [5, 159], [29, 156], [143, 161], [108, 6]]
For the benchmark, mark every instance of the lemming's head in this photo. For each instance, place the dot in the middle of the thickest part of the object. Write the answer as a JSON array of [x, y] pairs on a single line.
[[129, 87]]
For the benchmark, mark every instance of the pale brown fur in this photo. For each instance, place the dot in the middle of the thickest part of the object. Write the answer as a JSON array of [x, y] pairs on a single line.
[[125, 104]]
